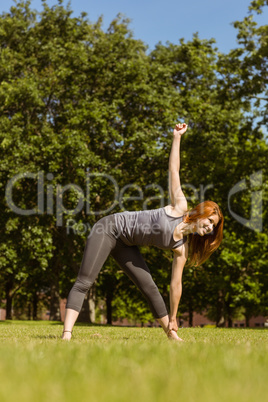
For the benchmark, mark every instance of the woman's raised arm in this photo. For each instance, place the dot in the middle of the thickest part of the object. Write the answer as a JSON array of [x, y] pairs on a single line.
[[177, 197]]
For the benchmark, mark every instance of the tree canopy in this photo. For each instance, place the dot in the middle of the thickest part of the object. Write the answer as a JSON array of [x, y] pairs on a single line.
[[85, 130]]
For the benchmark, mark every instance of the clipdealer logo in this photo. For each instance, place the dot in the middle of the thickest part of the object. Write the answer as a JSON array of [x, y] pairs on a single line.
[[255, 220], [54, 193]]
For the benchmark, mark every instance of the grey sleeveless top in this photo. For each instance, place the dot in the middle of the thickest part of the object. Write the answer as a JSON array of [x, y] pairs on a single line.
[[148, 228]]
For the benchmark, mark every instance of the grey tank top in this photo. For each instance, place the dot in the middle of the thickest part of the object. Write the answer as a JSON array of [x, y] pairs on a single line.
[[148, 228]]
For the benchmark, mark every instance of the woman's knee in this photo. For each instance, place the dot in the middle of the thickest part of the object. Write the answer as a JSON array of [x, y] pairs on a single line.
[[82, 285], [150, 289]]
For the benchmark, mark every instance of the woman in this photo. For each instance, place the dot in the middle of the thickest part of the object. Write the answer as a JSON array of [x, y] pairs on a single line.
[[171, 227]]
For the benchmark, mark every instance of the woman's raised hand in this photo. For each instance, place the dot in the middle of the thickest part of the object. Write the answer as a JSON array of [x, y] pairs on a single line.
[[180, 129]]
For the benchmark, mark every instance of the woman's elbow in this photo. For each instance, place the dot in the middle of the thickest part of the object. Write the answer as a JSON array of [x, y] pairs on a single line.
[[176, 286]]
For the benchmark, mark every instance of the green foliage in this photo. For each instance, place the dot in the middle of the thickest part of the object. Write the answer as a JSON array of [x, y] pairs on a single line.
[[75, 101]]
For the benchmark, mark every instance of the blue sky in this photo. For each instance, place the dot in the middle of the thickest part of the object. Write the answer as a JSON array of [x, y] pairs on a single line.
[[166, 20]]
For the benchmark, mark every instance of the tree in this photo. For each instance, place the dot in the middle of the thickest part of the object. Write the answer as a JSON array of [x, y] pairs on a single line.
[[74, 100], [81, 106]]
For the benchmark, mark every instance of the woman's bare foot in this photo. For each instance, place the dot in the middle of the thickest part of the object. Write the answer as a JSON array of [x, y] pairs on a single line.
[[66, 335], [171, 334]]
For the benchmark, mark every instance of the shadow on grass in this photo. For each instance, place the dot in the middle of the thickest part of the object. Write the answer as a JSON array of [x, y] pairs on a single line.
[[46, 337], [88, 324], [57, 323]]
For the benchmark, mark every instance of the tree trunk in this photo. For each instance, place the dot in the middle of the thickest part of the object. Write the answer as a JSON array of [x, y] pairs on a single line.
[[35, 305], [92, 304], [248, 316], [9, 297], [221, 322], [29, 311], [109, 298], [54, 302], [229, 315], [218, 311], [191, 314]]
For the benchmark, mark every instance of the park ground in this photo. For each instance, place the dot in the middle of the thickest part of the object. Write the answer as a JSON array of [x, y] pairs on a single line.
[[123, 364]]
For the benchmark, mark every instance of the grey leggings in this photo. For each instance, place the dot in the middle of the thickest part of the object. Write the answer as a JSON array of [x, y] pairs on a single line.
[[102, 241]]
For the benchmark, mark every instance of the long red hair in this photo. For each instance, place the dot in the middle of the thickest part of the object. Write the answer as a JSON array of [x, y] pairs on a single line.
[[201, 247]]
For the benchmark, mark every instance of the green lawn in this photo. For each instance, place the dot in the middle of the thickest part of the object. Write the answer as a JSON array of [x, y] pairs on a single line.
[[115, 364]]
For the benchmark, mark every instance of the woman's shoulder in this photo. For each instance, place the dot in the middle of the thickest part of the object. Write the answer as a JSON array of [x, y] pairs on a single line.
[[175, 212]]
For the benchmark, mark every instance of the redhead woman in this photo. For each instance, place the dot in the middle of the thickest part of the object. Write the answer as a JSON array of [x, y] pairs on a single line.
[[195, 233]]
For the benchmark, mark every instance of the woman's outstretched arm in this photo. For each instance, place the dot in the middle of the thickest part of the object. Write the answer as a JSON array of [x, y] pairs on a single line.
[[178, 264], [177, 197]]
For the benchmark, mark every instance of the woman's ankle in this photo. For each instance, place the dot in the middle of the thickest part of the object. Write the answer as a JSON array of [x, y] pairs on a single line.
[[66, 335], [172, 335]]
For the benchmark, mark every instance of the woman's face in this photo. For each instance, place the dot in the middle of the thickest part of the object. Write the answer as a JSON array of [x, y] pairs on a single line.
[[206, 225]]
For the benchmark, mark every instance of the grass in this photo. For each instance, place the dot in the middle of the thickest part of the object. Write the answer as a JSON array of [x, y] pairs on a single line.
[[115, 364]]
